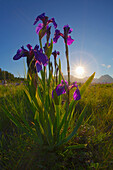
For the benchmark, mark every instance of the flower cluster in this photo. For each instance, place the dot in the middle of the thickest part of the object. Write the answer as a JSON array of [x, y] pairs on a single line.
[[38, 58], [52, 120], [62, 88], [33, 54]]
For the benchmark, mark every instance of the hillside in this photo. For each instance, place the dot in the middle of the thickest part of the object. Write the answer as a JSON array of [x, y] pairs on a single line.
[[102, 79]]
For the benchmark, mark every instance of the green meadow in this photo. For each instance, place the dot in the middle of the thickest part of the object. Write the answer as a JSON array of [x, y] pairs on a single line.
[[18, 151]]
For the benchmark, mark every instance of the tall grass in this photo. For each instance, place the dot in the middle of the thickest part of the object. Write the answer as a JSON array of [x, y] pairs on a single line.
[[20, 152]]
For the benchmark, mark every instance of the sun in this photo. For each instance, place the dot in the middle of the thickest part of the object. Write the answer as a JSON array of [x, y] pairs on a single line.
[[79, 71]]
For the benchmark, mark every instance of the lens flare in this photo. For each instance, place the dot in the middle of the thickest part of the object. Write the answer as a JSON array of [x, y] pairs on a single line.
[[79, 71]]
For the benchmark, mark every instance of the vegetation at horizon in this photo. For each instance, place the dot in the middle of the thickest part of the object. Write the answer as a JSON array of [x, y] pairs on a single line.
[[5, 75]]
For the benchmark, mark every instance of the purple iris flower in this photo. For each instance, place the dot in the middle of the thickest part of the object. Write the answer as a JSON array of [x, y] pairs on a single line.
[[60, 89], [40, 26], [73, 85], [38, 66], [45, 23], [48, 32], [40, 17], [40, 58], [29, 47], [23, 52], [69, 40], [55, 53], [76, 95], [53, 21], [57, 35], [62, 82], [66, 37], [18, 55], [67, 30], [45, 20]]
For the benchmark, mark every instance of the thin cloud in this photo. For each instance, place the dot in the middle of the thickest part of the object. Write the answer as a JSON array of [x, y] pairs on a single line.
[[103, 65], [106, 66]]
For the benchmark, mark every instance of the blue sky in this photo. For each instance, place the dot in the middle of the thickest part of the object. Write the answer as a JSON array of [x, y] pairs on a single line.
[[91, 21]]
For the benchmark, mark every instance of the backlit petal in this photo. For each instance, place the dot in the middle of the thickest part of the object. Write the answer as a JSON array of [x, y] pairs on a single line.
[[76, 95]]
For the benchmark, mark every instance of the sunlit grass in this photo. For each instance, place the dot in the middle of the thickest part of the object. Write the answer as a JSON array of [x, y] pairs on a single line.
[[17, 150]]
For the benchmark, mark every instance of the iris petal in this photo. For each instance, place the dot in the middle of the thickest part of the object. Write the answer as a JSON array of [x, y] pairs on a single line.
[[40, 17], [53, 21], [76, 95], [18, 55], [29, 47], [62, 82], [38, 66], [60, 89], [56, 36], [40, 26], [69, 40], [42, 58], [55, 53]]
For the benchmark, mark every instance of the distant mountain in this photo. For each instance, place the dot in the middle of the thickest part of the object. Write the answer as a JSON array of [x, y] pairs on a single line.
[[102, 79], [105, 79]]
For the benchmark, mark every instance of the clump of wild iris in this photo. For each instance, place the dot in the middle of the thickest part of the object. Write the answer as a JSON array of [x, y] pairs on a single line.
[[48, 94]]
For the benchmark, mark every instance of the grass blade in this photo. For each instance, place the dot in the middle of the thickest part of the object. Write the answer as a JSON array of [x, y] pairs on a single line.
[[78, 124]]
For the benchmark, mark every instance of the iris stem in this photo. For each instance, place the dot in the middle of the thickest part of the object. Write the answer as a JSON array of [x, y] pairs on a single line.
[[55, 68], [68, 67], [44, 67], [40, 42]]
